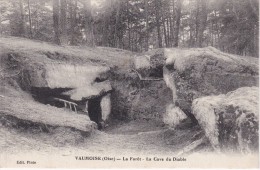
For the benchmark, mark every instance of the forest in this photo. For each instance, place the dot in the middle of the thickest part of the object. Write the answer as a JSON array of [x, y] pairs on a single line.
[[231, 26]]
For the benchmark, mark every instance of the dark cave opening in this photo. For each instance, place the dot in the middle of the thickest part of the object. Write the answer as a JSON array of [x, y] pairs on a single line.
[[46, 95], [156, 72], [54, 97], [95, 111]]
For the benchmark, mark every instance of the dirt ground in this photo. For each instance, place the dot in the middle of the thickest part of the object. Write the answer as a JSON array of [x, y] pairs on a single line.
[[136, 137]]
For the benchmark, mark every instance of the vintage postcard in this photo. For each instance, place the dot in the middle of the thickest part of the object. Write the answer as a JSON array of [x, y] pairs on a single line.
[[129, 84]]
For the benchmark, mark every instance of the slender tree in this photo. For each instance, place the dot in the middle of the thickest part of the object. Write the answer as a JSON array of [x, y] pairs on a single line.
[[158, 22], [30, 19], [202, 22], [128, 25], [21, 31], [63, 22], [88, 24], [73, 22], [146, 25], [56, 18], [172, 19], [178, 21], [116, 31]]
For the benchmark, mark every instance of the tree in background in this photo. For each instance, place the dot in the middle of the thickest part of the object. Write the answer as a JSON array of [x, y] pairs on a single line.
[[63, 22], [73, 6], [56, 19], [137, 25], [88, 24], [178, 21], [202, 21], [21, 32]]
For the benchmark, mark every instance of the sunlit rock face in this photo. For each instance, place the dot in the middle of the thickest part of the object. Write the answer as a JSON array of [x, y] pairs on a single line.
[[173, 116], [62, 75], [79, 78], [73, 76], [230, 121], [78, 83], [193, 73], [106, 107]]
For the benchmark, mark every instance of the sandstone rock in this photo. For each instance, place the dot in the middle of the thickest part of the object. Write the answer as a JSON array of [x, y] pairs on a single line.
[[197, 72], [141, 62], [150, 64], [134, 99], [230, 121], [193, 73], [173, 116]]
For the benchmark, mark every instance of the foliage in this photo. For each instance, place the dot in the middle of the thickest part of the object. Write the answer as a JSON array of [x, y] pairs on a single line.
[[138, 25]]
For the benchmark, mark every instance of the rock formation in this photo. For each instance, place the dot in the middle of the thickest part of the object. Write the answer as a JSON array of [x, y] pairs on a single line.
[[230, 121]]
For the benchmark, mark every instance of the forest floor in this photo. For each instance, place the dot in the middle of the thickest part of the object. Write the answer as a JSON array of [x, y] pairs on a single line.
[[136, 137]]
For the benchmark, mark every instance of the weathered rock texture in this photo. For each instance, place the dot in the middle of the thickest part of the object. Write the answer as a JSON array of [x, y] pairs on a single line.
[[150, 64], [173, 116], [192, 73], [27, 110], [133, 98], [141, 86], [106, 106], [230, 121], [43, 70], [83, 73]]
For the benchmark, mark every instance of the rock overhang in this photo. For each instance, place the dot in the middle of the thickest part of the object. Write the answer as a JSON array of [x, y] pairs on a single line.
[[89, 91], [79, 78], [215, 60], [230, 120]]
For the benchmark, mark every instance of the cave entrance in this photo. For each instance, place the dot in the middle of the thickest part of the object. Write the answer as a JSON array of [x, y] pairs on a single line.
[[98, 108], [54, 97], [95, 111]]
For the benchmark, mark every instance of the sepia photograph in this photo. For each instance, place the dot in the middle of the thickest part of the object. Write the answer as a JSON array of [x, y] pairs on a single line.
[[129, 84]]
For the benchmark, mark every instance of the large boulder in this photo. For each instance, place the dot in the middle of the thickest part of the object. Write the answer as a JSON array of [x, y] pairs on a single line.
[[150, 64], [230, 121], [193, 73], [173, 116]]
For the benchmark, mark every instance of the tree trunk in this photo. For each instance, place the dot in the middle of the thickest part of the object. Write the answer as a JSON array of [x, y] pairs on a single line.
[[158, 25], [56, 16], [202, 22], [211, 32], [168, 30], [191, 43], [105, 31], [30, 19], [88, 24], [73, 22], [146, 26], [197, 21], [128, 26], [191, 38], [37, 16], [165, 33], [178, 21], [63, 22], [21, 31], [217, 29], [172, 19], [116, 36]]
